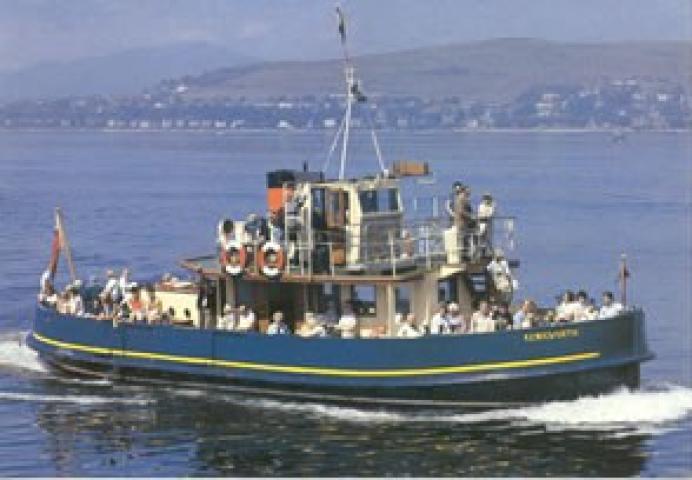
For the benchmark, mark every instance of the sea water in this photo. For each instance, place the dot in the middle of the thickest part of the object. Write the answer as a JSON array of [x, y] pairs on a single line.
[[144, 200]]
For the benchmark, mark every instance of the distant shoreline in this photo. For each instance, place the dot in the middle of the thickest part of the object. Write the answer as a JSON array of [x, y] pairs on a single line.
[[550, 131]]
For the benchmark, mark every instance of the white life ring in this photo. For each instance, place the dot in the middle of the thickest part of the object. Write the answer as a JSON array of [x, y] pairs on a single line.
[[271, 260], [234, 258]]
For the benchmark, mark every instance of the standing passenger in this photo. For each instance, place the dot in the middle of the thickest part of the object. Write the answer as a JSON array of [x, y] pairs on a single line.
[[486, 212]]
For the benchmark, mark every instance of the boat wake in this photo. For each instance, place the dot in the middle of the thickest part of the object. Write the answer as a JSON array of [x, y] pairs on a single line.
[[623, 412], [72, 399], [15, 354]]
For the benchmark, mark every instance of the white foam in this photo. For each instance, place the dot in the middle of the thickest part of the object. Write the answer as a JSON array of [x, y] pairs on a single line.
[[623, 412], [75, 399], [14, 353]]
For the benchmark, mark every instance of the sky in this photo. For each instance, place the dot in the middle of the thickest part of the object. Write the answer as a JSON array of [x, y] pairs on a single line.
[[34, 31]]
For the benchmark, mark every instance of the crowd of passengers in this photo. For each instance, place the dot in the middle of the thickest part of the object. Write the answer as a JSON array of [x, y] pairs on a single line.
[[447, 320], [123, 299], [120, 298]]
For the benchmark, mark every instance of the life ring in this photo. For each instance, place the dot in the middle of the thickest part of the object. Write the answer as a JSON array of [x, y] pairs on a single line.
[[234, 258], [271, 260]]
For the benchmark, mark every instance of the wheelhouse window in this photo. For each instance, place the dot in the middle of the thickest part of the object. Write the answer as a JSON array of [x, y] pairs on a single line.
[[382, 200]]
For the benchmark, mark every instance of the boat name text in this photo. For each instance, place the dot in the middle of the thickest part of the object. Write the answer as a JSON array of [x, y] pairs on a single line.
[[551, 335]]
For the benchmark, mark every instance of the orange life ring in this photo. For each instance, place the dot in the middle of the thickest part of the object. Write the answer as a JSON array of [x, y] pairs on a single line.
[[234, 258], [271, 260]]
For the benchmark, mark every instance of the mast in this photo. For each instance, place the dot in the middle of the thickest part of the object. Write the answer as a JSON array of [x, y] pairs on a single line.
[[353, 94]]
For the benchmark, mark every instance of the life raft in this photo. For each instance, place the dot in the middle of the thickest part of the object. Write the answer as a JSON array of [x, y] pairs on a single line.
[[271, 259], [233, 258]]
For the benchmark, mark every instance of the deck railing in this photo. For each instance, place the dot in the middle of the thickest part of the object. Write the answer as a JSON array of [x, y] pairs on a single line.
[[418, 243]]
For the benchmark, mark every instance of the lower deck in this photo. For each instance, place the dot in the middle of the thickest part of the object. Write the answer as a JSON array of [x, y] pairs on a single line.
[[426, 364]]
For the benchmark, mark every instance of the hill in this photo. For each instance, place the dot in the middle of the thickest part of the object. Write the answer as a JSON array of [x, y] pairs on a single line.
[[125, 72], [489, 71]]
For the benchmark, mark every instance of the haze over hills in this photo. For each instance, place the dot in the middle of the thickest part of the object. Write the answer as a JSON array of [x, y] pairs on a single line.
[[487, 71], [125, 72]]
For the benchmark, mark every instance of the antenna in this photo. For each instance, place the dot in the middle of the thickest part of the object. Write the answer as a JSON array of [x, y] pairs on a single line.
[[353, 95]]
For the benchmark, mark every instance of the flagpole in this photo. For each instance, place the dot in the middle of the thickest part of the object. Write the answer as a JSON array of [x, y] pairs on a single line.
[[623, 274], [64, 242]]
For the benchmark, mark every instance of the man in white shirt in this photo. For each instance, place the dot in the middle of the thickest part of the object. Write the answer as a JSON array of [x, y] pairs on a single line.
[[482, 320], [439, 323], [408, 329], [610, 307], [246, 319], [277, 325]]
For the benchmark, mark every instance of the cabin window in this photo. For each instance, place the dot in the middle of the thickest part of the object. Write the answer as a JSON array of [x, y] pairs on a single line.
[[378, 201], [447, 290], [337, 208], [364, 300], [402, 295], [318, 209]]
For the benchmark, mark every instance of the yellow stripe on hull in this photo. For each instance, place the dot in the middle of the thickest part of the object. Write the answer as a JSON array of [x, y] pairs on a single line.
[[305, 370]]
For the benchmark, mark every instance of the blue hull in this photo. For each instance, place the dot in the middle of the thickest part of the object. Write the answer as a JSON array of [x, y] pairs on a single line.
[[528, 365]]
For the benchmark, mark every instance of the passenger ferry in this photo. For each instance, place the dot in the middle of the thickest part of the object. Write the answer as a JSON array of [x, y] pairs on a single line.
[[358, 284]]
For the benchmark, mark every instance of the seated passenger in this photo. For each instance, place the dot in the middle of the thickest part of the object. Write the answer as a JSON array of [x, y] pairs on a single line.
[[135, 304], [347, 323], [439, 323], [311, 327], [76, 303], [46, 286], [154, 307], [330, 316], [565, 311], [277, 325], [107, 307], [62, 305], [246, 319], [502, 317], [581, 306], [49, 297], [520, 319], [456, 321], [408, 329], [228, 320], [610, 307], [482, 320]]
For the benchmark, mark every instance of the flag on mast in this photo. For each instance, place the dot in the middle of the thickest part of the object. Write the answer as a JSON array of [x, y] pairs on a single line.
[[63, 243], [54, 250], [342, 24]]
